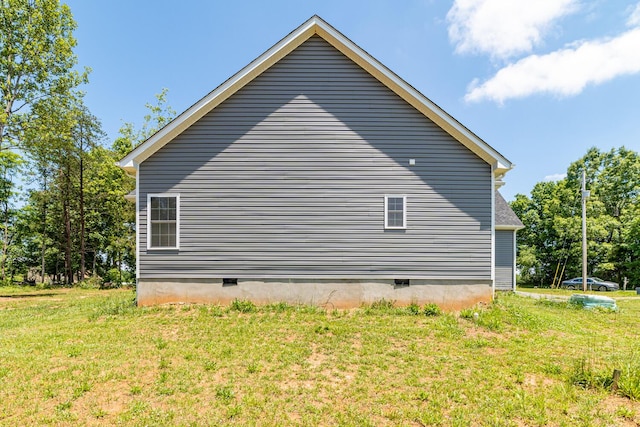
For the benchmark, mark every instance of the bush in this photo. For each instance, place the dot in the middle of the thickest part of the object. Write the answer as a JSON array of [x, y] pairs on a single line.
[[117, 277], [243, 306], [414, 309], [432, 309], [93, 282]]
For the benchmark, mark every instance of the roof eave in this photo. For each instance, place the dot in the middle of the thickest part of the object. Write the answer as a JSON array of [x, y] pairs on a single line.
[[129, 165], [509, 227]]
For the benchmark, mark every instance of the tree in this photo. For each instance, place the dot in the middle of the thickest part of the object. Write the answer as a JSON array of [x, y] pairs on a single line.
[[61, 134], [158, 116], [36, 63], [9, 166], [76, 220], [550, 244], [36, 60]]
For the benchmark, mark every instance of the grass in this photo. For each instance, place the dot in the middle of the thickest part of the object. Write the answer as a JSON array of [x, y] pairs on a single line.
[[567, 292], [90, 357]]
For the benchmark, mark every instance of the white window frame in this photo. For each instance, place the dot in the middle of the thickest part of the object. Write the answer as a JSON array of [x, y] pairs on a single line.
[[386, 211], [167, 195]]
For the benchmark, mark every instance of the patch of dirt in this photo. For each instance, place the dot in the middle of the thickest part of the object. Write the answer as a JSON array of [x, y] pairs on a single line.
[[103, 403], [616, 405], [535, 381]]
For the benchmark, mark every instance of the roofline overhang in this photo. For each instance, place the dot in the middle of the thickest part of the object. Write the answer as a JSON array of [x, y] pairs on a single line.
[[509, 227], [316, 25]]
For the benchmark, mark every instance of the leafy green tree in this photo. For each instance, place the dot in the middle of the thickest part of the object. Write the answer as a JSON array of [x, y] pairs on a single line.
[[36, 60], [550, 245], [61, 134], [9, 167], [111, 218], [158, 116], [36, 63]]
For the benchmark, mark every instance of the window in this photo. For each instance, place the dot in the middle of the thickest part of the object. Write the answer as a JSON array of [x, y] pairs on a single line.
[[395, 211], [163, 212]]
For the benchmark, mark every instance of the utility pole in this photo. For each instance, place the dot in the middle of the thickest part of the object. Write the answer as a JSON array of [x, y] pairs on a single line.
[[585, 196]]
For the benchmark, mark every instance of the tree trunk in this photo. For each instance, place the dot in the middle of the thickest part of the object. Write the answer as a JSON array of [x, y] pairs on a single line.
[[67, 227], [82, 225], [5, 238], [44, 229], [67, 247]]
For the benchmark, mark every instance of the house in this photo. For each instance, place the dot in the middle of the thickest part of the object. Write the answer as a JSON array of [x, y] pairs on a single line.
[[316, 175]]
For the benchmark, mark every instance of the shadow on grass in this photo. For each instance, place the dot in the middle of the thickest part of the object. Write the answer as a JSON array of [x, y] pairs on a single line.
[[17, 296]]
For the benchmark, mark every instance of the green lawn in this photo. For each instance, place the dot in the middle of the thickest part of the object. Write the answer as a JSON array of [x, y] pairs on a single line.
[[89, 357], [566, 292]]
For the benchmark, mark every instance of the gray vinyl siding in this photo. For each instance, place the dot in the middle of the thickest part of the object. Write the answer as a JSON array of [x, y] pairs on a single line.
[[505, 258], [287, 179]]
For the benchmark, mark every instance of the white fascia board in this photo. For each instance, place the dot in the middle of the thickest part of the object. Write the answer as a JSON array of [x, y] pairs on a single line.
[[129, 166], [316, 25], [510, 227]]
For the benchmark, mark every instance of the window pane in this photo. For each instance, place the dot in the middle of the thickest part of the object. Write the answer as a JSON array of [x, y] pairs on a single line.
[[395, 219], [155, 235], [171, 235], [171, 213]]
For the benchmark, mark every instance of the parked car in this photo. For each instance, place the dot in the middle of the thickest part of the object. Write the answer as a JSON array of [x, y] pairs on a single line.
[[593, 283]]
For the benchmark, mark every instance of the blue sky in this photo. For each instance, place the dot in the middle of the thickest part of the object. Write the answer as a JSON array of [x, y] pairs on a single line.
[[540, 81]]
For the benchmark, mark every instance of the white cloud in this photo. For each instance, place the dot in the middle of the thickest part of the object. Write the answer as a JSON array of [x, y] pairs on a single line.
[[564, 72], [503, 28], [555, 177], [634, 17]]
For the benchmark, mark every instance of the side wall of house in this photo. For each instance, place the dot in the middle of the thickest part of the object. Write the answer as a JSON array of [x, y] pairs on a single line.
[[505, 258], [286, 180]]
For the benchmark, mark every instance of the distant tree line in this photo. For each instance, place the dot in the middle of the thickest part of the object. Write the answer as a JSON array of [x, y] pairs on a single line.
[[63, 215], [551, 244]]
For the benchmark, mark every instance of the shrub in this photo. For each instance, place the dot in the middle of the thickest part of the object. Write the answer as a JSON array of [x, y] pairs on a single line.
[[243, 306], [432, 309], [93, 282], [414, 309], [117, 277]]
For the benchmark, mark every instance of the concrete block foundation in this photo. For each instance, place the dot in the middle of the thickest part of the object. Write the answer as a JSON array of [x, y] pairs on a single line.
[[328, 293]]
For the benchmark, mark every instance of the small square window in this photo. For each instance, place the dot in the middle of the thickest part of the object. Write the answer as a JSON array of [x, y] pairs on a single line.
[[395, 211]]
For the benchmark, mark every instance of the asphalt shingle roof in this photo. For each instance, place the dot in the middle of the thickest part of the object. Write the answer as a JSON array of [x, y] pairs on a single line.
[[505, 216]]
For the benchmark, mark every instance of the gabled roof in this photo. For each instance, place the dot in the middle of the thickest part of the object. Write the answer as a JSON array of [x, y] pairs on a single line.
[[317, 26], [506, 218]]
